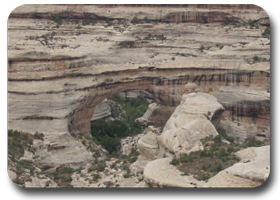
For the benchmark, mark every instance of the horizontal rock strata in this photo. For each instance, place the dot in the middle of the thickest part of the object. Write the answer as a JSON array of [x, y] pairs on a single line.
[[59, 73]]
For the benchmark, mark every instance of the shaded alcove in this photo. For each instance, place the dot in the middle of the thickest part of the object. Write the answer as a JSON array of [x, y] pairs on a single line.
[[103, 110]]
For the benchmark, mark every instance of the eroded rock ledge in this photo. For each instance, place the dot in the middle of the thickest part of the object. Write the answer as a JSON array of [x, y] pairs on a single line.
[[160, 173]]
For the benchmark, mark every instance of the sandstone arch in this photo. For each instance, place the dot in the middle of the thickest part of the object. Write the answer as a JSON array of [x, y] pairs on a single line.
[[64, 100]]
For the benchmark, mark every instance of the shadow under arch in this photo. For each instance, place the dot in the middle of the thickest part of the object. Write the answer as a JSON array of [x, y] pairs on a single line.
[[79, 120]]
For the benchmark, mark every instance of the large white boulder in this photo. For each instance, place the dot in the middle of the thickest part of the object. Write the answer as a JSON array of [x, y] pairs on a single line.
[[195, 118]]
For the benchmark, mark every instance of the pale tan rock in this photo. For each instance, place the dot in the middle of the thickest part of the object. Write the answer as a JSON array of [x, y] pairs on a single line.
[[190, 87], [185, 139], [190, 123], [148, 117], [139, 164], [252, 170], [148, 145], [27, 156], [136, 93], [247, 51], [128, 143], [62, 150], [128, 182], [40, 183], [12, 175], [160, 173], [195, 106], [103, 110], [54, 89]]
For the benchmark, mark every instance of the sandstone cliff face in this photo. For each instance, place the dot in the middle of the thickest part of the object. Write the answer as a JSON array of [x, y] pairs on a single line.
[[58, 74], [165, 13]]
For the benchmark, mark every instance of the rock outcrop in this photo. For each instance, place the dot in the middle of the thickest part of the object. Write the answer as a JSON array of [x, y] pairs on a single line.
[[159, 173], [247, 112], [40, 183], [137, 93], [128, 143], [252, 170], [103, 110], [148, 117], [195, 105], [12, 175], [110, 177], [148, 144], [61, 150], [60, 70], [194, 119], [185, 139]]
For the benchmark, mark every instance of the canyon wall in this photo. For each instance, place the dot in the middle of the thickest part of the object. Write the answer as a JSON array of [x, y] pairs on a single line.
[[61, 65]]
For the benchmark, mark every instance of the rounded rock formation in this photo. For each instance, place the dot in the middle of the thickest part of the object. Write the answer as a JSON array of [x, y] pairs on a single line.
[[190, 87]]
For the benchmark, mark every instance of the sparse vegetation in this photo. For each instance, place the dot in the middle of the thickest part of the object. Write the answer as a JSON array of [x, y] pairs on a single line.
[[17, 142], [256, 58], [63, 176], [135, 20], [175, 162], [101, 167], [39, 136], [147, 20], [201, 48], [56, 19], [225, 23], [64, 45], [22, 165], [85, 22], [251, 142], [154, 37], [266, 33], [95, 177], [215, 157]]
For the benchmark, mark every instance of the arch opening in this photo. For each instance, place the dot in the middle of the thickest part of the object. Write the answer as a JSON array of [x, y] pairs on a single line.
[[122, 121]]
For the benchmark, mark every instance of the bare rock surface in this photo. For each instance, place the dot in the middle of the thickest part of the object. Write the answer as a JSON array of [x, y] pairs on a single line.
[[148, 117], [148, 144], [12, 175], [41, 183], [128, 143], [160, 173], [185, 139], [62, 150], [244, 51], [195, 106], [110, 177], [58, 74], [103, 110], [252, 170], [190, 123], [137, 93]]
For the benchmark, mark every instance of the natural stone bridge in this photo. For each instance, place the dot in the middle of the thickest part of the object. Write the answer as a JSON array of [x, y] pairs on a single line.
[[58, 71], [64, 100]]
